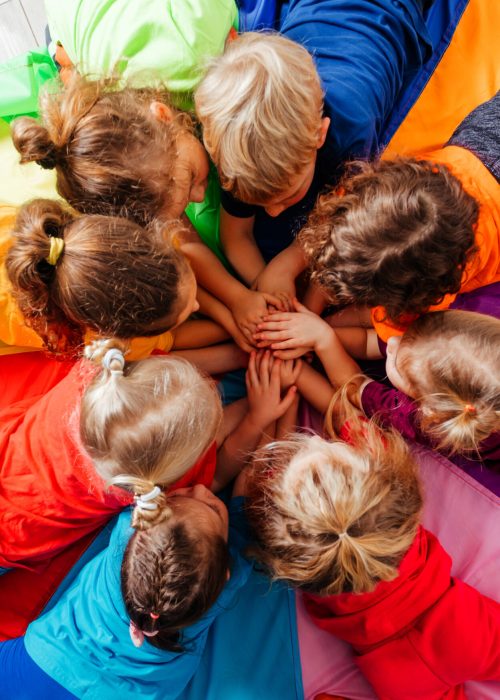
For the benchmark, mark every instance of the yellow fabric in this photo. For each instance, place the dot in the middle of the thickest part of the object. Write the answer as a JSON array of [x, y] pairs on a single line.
[[141, 347], [467, 75], [484, 268]]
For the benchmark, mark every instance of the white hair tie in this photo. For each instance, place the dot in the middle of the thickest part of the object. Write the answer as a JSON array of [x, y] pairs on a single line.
[[341, 535], [111, 356], [144, 501]]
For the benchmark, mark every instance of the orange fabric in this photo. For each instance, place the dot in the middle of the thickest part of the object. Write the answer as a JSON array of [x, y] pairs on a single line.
[[484, 268], [467, 75]]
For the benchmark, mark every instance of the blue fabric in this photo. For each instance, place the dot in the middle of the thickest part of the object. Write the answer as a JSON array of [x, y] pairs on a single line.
[[22, 679], [83, 641], [3, 570], [257, 14], [441, 21]]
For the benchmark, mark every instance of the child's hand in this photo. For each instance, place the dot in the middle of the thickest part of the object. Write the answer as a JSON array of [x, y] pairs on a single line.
[[289, 373], [265, 404], [286, 331], [249, 309], [281, 285]]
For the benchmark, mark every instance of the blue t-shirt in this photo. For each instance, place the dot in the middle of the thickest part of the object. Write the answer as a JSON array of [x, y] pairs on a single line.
[[84, 644]]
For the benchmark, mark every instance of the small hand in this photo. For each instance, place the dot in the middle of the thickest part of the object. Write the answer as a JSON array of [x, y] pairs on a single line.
[[279, 284], [285, 331], [249, 309], [265, 404], [289, 373]]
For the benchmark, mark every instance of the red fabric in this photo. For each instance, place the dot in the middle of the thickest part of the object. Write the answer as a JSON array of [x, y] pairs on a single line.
[[29, 374], [50, 494], [420, 636]]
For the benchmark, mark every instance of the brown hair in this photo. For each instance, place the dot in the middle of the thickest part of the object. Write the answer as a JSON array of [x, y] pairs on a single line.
[[260, 105], [111, 154], [332, 517], [112, 276], [146, 423], [171, 574], [451, 359], [395, 233]]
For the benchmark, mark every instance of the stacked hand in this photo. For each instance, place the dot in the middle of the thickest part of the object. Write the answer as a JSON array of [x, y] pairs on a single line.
[[266, 379]]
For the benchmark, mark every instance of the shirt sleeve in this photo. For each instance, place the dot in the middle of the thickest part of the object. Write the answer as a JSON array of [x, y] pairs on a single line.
[[394, 409]]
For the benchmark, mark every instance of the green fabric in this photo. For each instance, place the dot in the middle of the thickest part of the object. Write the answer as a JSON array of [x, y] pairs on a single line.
[[144, 41], [20, 82], [205, 217]]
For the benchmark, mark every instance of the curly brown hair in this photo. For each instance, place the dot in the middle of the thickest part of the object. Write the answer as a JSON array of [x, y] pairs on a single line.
[[396, 234], [111, 154]]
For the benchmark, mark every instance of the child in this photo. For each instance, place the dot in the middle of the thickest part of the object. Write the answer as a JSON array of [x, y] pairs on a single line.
[[405, 236], [74, 275], [127, 152], [446, 363], [278, 126], [143, 422], [139, 632], [341, 522]]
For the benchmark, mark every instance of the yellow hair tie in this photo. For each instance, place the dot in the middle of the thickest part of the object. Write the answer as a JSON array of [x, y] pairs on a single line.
[[56, 248]]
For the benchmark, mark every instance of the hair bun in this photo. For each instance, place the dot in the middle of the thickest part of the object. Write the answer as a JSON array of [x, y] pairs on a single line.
[[33, 142]]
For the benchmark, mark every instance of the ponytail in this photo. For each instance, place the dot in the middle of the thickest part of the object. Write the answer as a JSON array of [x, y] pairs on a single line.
[[34, 143], [71, 273], [451, 359]]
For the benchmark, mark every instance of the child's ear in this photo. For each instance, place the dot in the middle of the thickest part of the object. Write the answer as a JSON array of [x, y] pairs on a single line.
[[393, 343], [323, 130], [161, 111]]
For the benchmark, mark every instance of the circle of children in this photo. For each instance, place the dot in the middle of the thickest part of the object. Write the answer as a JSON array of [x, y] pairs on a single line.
[[396, 258]]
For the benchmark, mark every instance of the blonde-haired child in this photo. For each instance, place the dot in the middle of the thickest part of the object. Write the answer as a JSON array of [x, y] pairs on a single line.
[[445, 370], [127, 152], [340, 521]]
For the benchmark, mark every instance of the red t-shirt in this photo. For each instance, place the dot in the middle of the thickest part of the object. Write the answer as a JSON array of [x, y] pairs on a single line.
[[50, 493]]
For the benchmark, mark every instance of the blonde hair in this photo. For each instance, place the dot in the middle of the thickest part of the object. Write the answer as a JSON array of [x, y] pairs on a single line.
[[111, 154], [260, 105], [145, 423], [332, 517], [451, 359]]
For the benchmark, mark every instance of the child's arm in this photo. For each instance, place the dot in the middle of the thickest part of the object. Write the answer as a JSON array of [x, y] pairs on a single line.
[[247, 307], [239, 245], [280, 274], [361, 343], [215, 309], [265, 406], [215, 359]]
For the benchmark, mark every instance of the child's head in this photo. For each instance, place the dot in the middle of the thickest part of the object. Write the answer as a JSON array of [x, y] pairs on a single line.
[[449, 362], [396, 234], [260, 105], [71, 273], [332, 517], [146, 423], [116, 152], [175, 565]]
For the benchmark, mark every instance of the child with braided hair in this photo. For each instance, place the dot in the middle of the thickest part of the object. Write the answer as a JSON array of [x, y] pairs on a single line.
[[340, 522]]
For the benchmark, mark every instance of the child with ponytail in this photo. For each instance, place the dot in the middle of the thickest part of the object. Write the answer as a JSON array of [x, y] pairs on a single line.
[[129, 152], [69, 276], [340, 522], [444, 370]]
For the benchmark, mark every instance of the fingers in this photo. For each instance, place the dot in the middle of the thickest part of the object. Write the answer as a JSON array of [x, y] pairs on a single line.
[[300, 307], [273, 299], [287, 401]]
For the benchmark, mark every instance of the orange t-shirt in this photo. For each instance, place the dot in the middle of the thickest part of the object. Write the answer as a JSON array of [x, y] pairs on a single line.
[[484, 268]]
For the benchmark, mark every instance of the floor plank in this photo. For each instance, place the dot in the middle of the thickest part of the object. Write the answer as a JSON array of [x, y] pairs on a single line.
[[35, 12], [16, 36]]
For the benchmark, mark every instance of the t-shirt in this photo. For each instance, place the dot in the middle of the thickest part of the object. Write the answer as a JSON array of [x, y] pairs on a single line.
[[83, 642], [50, 493], [365, 52]]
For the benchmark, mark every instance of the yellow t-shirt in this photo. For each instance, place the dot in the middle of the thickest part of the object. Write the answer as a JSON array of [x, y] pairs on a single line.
[[17, 336]]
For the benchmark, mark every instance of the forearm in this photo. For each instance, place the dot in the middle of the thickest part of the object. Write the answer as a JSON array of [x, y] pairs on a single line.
[[315, 388], [238, 243], [215, 359], [359, 342], [290, 261], [236, 450], [339, 366], [287, 424], [198, 333]]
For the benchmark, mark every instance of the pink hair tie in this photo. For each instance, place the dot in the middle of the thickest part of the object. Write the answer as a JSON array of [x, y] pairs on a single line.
[[154, 616], [137, 635], [470, 408]]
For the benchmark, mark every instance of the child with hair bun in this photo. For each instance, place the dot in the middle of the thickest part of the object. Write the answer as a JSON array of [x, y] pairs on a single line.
[[74, 276], [444, 370], [340, 522], [127, 152]]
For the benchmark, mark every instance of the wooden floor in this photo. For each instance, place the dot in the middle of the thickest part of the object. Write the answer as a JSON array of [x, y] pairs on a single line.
[[22, 26]]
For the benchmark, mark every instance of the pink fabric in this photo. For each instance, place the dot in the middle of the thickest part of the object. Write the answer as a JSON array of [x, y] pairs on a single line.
[[466, 518]]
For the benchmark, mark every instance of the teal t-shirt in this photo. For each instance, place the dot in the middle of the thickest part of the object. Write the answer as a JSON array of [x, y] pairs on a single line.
[[83, 642]]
